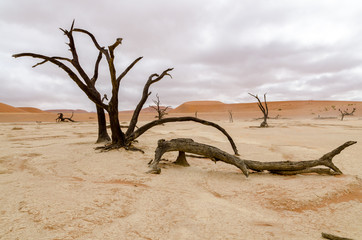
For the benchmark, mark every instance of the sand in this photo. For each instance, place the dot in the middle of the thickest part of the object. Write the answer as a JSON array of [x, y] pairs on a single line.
[[54, 184]]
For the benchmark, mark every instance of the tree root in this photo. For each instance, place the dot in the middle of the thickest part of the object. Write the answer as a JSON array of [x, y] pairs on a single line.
[[113, 146], [282, 167]]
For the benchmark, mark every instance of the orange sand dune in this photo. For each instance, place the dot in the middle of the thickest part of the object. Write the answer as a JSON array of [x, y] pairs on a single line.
[[66, 111], [212, 110], [282, 108], [31, 109], [4, 108]]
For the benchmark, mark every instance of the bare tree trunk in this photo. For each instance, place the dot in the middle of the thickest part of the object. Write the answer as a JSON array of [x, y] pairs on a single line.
[[282, 167], [118, 137], [102, 126]]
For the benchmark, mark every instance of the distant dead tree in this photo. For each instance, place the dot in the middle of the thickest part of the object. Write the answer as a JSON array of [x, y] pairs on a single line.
[[61, 118], [104, 97], [196, 114], [161, 111], [230, 116], [346, 113], [87, 85], [264, 109]]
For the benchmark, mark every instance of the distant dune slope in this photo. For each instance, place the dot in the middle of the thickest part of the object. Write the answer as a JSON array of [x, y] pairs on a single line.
[[31, 109], [66, 111], [298, 106], [201, 106], [4, 108]]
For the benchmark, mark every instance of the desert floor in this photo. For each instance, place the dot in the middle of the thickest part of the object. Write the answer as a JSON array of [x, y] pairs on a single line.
[[54, 185]]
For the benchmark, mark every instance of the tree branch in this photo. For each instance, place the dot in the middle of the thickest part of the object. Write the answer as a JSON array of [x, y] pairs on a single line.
[[132, 136], [70, 73], [278, 167], [113, 46], [75, 60], [102, 49], [124, 73], [96, 67], [145, 95]]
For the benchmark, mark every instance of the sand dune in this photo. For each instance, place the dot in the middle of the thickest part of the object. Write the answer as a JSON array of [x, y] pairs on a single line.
[[299, 107], [4, 108], [31, 109], [205, 109], [66, 111]]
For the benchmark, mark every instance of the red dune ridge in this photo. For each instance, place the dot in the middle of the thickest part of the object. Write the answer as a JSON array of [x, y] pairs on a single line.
[[207, 109]]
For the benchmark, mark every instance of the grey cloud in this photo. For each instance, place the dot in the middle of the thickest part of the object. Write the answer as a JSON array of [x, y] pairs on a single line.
[[220, 49]]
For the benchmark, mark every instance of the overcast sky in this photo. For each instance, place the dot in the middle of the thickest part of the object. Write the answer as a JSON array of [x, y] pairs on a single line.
[[220, 50]]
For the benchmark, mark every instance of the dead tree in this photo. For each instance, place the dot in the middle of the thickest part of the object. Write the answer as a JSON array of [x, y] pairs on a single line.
[[346, 113], [87, 85], [104, 97], [183, 145], [264, 109], [161, 111], [61, 118], [231, 116]]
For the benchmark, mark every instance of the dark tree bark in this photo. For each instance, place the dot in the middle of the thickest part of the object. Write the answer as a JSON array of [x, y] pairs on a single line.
[[188, 145], [282, 167], [161, 112], [263, 109], [102, 126]]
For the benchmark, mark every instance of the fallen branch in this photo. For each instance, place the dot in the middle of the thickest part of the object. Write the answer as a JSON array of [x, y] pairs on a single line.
[[334, 237], [188, 145], [61, 118], [183, 145]]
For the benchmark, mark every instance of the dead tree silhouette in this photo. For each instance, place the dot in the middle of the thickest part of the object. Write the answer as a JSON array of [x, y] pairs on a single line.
[[346, 113], [161, 111], [61, 118], [87, 85], [263, 109]]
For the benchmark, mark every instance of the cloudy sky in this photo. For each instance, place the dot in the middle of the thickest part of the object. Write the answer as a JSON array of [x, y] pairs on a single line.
[[219, 49]]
